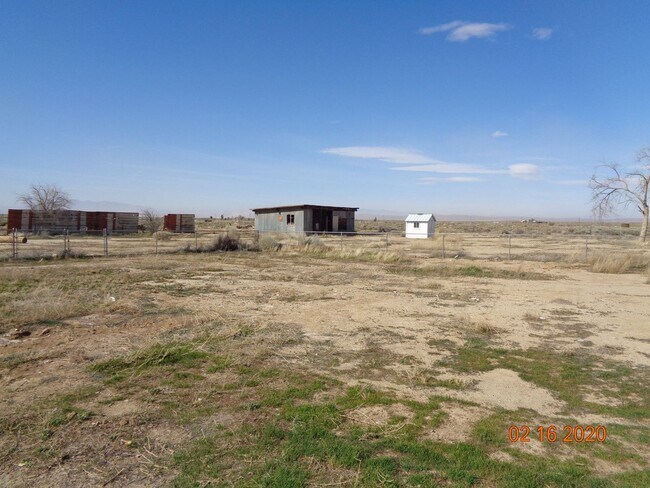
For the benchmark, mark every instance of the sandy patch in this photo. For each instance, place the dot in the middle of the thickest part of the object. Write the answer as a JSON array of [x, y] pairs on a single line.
[[122, 408], [504, 388], [458, 424]]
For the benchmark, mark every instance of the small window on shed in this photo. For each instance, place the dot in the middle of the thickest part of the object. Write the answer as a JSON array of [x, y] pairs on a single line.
[[416, 225], [291, 219]]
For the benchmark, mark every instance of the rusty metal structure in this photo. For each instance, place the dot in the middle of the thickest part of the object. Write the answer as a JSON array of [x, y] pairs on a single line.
[[75, 221], [179, 223]]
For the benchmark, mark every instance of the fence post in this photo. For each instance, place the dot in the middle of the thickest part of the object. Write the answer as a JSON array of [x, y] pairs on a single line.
[[196, 241], [509, 246], [586, 249], [155, 238], [14, 244], [443, 246], [386, 240], [105, 235], [65, 242], [341, 241]]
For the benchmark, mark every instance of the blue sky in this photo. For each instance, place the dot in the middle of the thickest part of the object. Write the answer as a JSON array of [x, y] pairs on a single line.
[[482, 108]]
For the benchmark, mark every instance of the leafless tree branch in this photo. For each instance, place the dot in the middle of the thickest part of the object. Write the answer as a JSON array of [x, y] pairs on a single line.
[[46, 198], [616, 189]]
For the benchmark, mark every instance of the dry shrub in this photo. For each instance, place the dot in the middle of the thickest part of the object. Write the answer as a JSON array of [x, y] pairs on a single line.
[[225, 242], [310, 242], [485, 328], [163, 235], [476, 327], [268, 243], [618, 263]]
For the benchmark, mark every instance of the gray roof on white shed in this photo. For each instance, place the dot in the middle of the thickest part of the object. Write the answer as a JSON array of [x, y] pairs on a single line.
[[419, 218]]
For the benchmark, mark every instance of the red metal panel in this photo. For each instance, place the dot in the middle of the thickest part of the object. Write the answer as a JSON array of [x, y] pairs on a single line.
[[170, 222], [14, 219]]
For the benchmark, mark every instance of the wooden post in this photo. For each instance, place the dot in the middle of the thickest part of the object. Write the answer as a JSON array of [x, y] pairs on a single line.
[[341, 241], [155, 237], [105, 243], [443, 246], [586, 248], [14, 244], [196, 241]]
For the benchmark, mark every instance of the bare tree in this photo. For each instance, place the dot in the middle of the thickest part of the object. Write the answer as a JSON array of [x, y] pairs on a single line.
[[150, 220], [46, 198], [630, 189]]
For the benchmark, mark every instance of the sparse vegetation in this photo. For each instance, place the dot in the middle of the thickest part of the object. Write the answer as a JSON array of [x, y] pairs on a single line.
[[312, 366]]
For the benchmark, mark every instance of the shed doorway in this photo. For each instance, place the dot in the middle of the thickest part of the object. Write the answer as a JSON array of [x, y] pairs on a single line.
[[322, 220]]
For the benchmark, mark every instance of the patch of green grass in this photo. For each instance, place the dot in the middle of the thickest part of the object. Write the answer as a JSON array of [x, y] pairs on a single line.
[[277, 398], [294, 437], [177, 353], [569, 375], [219, 363], [357, 396]]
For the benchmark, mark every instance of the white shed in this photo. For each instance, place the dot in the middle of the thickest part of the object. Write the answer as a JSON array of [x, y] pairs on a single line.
[[420, 226]]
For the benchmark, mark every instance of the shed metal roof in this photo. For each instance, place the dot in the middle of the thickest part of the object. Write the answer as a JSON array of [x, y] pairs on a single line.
[[421, 217], [300, 206]]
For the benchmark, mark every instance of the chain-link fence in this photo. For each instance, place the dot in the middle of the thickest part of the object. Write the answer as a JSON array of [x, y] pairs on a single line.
[[530, 247]]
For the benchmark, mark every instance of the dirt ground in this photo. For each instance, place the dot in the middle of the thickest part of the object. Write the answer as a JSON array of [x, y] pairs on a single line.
[[508, 342]]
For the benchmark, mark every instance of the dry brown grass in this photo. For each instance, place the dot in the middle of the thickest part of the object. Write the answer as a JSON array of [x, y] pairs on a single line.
[[360, 254], [618, 263], [452, 241], [45, 304]]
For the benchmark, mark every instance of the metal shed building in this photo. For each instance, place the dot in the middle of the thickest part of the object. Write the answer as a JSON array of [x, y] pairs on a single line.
[[420, 226], [304, 218]]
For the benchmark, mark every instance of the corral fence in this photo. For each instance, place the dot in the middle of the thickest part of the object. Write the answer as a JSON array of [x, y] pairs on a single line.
[[531, 247]]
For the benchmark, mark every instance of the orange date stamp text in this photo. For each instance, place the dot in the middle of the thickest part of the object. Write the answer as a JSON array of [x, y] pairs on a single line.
[[554, 433]]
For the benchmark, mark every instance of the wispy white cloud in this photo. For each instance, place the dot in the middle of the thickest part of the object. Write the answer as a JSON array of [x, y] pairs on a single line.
[[524, 171], [542, 33], [381, 153], [499, 133], [430, 180], [416, 161], [442, 167], [460, 31]]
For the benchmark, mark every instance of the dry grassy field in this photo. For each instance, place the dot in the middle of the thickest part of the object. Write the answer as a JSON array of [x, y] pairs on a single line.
[[332, 362]]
